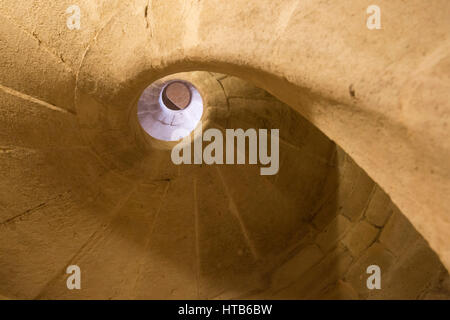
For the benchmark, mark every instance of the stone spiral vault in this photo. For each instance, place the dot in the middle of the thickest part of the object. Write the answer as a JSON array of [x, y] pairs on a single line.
[[364, 174]]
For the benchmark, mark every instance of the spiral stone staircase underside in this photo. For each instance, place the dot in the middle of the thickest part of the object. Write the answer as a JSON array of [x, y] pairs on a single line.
[[364, 146]]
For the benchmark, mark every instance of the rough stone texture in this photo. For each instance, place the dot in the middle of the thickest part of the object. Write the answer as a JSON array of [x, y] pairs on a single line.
[[417, 263], [379, 208], [398, 234], [339, 291], [442, 290], [335, 231], [300, 263], [360, 237], [319, 277], [82, 183]]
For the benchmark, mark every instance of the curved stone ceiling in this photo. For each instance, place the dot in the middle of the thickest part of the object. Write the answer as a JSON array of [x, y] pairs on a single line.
[[80, 176]]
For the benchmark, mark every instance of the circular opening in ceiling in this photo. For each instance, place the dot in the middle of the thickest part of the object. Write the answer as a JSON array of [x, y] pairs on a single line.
[[170, 110], [176, 95]]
